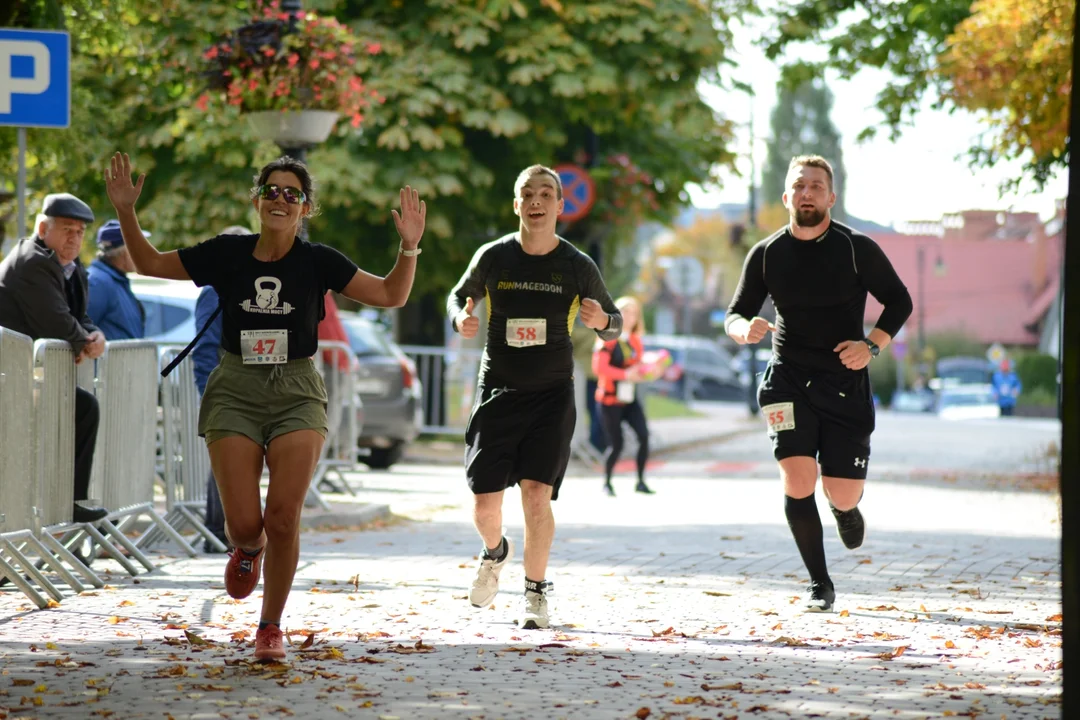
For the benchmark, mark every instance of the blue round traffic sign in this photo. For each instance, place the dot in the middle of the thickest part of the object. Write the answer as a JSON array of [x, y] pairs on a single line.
[[579, 192]]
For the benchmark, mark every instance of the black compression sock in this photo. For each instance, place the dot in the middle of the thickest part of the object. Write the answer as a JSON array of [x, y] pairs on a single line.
[[497, 554], [263, 624], [805, 523]]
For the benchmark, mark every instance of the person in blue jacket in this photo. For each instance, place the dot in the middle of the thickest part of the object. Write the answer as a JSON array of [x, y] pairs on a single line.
[[1007, 388], [112, 305], [205, 356]]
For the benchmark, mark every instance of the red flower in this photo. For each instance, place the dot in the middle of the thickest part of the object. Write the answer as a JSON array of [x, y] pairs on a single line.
[[374, 48], [313, 63], [331, 77], [293, 59], [211, 53], [356, 120], [203, 102], [269, 52]]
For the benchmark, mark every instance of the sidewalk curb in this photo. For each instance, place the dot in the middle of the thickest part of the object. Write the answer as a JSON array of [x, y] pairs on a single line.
[[337, 519], [680, 446]]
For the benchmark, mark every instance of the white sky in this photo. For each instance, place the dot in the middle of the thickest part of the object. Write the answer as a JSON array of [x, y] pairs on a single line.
[[920, 177]]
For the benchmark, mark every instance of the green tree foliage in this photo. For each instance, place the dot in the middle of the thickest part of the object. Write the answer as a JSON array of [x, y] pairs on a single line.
[[911, 38], [800, 124], [470, 94]]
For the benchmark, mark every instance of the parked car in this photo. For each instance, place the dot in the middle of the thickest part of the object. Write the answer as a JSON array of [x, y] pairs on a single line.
[[962, 370], [701, 368], [740, 363], [170, 308], [390, 389], [967, 402]]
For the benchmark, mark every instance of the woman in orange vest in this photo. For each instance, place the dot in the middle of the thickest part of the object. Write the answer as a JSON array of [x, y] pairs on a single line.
[[617, 364]]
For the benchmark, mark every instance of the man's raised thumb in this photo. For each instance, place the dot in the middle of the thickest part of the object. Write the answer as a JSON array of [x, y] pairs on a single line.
[[468, 306]]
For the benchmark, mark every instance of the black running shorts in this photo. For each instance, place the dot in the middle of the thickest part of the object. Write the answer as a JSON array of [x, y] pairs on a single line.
[[826, 416], [516, 435]]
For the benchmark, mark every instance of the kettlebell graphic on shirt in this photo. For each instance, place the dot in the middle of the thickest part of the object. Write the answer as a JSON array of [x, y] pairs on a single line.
[[267, 296]]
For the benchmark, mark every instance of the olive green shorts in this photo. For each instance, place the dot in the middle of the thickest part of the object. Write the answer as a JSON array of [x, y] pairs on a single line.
[[262, 402]]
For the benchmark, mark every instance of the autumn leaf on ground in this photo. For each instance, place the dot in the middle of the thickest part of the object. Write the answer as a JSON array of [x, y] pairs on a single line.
[[643, 713], [195, 639], [790, 641], [845, 613], [1054, 618], [713, 593], [730, 686], [891, 654], [115, 619]]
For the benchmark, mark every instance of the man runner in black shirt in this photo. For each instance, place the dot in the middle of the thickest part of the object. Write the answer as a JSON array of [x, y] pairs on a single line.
[[815, 394], [535, 284]]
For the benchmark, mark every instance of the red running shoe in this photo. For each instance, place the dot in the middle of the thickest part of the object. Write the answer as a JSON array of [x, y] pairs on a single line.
[[268, 644], [242, 572]]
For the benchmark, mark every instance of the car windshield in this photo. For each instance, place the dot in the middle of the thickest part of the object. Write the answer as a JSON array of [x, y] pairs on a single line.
[[365, 339]]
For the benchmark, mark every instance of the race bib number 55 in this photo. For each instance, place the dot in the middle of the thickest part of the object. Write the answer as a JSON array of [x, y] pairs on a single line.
[[779, 416], [264, 347], [523, 332]]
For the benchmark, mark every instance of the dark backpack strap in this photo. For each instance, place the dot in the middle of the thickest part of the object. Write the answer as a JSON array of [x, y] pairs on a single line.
[[184, 353]]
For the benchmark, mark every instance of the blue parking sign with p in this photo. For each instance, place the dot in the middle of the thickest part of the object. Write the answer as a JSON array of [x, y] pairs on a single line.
[[35, 78]]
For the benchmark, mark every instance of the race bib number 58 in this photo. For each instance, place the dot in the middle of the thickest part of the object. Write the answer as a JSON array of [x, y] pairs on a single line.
[[264, 347], [779, 416], [523, 332]]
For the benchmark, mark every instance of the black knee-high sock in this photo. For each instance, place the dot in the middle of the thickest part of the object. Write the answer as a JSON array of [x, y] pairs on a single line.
[[805, 523]]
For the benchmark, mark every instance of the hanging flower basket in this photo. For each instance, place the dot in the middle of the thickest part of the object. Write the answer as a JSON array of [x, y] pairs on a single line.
[[293, 128], [302, 69]]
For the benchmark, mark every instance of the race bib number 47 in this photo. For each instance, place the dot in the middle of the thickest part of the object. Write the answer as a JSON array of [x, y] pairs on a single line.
[[779, 416], [524, 332], [264, 347]]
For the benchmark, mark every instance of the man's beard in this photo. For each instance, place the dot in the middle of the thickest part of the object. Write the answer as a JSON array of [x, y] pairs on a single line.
[[808, 218]]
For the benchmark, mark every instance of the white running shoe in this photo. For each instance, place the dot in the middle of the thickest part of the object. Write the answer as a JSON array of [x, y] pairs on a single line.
[[535, 613], [485, 585]]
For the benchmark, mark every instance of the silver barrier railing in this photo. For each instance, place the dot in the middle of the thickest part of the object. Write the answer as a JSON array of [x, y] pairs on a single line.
[[449, 380], [185, 460], [18, 491], [18, 488], [54, 465], [124, 464], [340, 451]]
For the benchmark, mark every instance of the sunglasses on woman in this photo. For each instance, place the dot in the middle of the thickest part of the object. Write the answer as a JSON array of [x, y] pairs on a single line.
[[293, 196]]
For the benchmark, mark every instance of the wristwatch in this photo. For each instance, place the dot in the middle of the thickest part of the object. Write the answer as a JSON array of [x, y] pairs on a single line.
[[874, 349], [409, 253]]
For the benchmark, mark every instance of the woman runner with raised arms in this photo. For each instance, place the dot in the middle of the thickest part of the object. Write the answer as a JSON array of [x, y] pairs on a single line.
[[266, 401]]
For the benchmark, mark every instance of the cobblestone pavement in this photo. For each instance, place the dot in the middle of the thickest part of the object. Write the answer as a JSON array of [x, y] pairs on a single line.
[[680, 605]]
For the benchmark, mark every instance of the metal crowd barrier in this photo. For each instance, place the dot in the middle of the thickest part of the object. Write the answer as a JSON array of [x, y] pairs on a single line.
[[124, 461], [449, 380], [18, 491], [340, 451], [55, 374], [185, 462]]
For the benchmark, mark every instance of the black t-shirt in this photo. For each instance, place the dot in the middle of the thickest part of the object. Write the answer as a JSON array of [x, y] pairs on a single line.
[[531, 298], [286, 294], [819, 288]]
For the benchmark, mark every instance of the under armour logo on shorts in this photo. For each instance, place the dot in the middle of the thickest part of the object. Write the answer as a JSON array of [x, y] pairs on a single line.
[[860, 462]]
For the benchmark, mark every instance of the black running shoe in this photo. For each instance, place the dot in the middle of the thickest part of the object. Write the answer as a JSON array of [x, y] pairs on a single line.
[[822, 598], [850, 527]]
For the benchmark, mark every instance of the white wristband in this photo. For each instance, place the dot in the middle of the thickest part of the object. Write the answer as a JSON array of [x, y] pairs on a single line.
[[409, 253]]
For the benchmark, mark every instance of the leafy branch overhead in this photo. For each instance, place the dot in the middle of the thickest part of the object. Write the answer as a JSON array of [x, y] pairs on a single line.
[[1007, 61], [466, 94]]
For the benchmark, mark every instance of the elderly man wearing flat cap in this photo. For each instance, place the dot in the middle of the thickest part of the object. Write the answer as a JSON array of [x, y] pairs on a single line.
[[113, 307], [43, 294]]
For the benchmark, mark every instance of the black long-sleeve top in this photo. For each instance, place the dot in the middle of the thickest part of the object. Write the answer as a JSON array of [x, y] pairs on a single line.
[[819, 289]]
